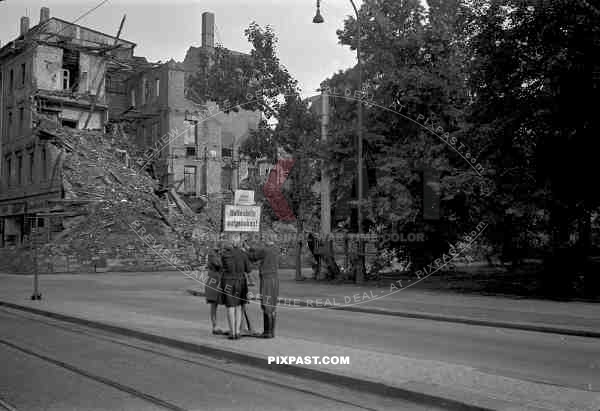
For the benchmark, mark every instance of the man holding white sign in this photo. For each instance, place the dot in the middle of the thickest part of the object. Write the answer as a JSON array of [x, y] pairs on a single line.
[[268, 256]]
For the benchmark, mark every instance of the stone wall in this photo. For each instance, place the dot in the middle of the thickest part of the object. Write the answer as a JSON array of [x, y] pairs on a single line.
[[136, 256]]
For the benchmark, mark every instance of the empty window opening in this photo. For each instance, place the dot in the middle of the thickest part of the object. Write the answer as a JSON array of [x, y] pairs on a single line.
[[190, 151], [44, 165], [227, 152], [21, 119], [189, 180], [145, 91], [70, 69], [68, 123], [9, 173], [23, 73], [19, 170], [31, 166]]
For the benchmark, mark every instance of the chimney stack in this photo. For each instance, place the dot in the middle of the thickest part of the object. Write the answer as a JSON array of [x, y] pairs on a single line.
[[44, 14], [208, 29], [24, 25]]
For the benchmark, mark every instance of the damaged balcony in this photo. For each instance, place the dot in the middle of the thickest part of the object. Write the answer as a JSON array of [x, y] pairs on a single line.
[[69, 109]]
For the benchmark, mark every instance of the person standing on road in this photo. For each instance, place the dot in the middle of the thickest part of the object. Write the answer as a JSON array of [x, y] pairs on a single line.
[[212, 288], [268, 256], [235, 287]]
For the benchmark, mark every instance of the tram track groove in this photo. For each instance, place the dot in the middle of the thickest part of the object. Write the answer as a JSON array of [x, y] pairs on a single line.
[[78, 330], [123, 388]]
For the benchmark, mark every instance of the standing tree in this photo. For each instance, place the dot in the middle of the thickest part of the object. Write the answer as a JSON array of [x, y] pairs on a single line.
[[413, 64], [533, 77]]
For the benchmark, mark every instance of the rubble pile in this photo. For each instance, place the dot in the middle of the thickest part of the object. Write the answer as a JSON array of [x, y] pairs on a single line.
[[112, 205]]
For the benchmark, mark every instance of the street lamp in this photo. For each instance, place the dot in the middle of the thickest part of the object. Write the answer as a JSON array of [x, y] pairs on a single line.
[[317, 20]]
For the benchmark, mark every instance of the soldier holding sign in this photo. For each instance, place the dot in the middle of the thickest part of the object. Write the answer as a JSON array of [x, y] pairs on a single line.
[[268, 256]]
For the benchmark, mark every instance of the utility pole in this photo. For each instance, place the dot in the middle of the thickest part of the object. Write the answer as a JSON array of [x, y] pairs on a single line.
[[360, 271], [318, 19], [325, 185]]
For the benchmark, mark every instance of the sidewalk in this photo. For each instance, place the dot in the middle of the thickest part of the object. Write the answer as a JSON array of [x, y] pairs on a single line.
[[568, 318], [156, 307]]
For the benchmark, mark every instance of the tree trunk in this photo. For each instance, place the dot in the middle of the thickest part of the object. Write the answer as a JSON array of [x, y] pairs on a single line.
[[299, 242], [560, 265]]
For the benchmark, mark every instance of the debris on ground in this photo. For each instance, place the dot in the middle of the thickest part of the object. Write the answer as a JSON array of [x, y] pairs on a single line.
[[108, 200]]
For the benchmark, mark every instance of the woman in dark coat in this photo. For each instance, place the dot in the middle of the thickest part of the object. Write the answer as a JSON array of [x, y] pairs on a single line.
[[212, 288], [235, 287]]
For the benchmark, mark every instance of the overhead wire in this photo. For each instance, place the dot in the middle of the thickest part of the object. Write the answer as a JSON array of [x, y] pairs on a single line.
[[103, 2]]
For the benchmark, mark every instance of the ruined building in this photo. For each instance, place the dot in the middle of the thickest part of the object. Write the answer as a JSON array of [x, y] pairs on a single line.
[[201, 153], [76, 77], [55, 70]]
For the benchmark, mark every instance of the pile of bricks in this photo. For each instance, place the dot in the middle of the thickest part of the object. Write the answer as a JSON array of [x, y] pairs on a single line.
[[118, 218]]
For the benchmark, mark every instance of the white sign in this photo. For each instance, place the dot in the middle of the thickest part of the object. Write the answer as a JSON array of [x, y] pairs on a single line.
[[241, 218], [243, 197]]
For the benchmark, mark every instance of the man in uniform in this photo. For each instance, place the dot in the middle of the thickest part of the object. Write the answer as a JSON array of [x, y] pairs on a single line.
[[235, 287], [268, 256]]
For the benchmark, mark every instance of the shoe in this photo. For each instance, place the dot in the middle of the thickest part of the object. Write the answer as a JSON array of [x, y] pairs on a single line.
[[231, 337], [218, 331]]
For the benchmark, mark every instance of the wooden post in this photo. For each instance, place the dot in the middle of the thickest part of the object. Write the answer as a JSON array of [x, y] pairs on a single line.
[[33, 241]]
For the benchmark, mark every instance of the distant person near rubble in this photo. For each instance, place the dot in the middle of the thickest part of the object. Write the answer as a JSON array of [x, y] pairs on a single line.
[[268, 256], [235, 286], [213, 287]]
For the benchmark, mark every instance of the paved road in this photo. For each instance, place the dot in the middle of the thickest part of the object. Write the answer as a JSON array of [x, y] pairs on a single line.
[[566, 361], [49, 365], [554, 359], [423, 298]]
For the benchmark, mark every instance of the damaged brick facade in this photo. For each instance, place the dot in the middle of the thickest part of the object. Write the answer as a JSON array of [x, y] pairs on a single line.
[[54, 71], [196, 146], [75, 77]]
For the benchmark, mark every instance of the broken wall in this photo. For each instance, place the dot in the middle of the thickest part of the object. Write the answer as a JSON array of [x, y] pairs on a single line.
[[85, 78], [86, 37], [92, 72], [117, 98], [47, 65], [80, 116]]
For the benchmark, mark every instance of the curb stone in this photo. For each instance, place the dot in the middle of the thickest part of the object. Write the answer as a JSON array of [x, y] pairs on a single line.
[[354, 383], [443, 318]]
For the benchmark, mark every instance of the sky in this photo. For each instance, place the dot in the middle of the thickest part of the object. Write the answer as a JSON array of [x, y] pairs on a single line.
[[165, 29]]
